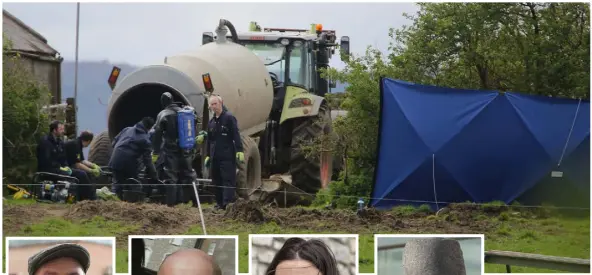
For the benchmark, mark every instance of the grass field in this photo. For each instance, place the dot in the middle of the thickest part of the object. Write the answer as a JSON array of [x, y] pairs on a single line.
[[505, 228]]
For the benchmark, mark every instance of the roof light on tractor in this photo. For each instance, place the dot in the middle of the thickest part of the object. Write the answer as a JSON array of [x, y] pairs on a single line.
[[254, 27], [319, 28]]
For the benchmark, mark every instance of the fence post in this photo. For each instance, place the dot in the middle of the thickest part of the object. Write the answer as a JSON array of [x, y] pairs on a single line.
[[70, 123]]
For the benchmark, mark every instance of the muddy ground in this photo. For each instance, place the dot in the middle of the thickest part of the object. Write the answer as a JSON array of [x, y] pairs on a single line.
[[162, 220], [529, 230]]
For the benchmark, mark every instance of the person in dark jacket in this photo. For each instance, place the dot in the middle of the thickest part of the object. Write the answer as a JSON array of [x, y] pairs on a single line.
[[51, 158], [176, 162], [76, 161], [224, 149], [131, 144]]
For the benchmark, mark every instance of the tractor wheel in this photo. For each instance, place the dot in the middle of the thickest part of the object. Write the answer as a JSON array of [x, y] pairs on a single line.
[[311, 173], [100, 153], [249, 172], [100, 149]]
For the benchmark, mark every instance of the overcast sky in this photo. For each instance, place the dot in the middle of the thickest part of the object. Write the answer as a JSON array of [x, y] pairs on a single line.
[[144, 33]]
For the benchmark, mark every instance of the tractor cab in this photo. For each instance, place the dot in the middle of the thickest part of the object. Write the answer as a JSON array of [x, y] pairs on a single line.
[[293, 57]]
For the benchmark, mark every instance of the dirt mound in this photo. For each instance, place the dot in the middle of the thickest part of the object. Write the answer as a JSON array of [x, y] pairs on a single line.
[[246, 211], [471, 211], [17, 216], [370, 215], [154, 218]]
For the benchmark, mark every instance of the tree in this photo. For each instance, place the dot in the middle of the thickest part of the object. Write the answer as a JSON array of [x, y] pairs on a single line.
[[523, 47], [23, 120]]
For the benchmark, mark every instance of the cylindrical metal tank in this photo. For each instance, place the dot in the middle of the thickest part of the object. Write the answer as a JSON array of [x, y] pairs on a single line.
[[237, 74]]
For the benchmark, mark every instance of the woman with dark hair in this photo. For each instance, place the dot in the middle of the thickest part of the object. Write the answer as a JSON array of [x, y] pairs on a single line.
[[302, 257], [138, 252]]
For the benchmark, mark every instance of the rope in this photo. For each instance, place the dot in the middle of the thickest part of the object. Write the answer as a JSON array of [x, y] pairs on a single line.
[[353, 197], [573, 123], [434, 179], [203, 223]]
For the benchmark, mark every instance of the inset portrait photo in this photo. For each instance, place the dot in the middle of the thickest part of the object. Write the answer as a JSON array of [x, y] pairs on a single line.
[[303, 254], [183, 255], [60, 255], [426, 254]]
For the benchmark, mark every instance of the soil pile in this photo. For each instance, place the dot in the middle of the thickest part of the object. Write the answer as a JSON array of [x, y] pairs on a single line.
[[154, 218]]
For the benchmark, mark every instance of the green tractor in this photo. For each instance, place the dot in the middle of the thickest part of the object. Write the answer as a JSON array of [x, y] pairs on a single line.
[[270, 80]]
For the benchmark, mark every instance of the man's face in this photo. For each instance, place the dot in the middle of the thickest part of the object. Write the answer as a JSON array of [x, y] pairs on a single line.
[[60, 130], [62, 266], [215, 105], [85, 144]]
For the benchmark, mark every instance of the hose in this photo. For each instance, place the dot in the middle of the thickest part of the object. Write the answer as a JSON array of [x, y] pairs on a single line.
[[224, 22]]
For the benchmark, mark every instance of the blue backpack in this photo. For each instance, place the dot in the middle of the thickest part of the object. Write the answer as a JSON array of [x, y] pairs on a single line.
[[186, 128]]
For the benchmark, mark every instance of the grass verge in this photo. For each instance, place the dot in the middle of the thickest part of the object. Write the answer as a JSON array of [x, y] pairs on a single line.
[[506, 229]]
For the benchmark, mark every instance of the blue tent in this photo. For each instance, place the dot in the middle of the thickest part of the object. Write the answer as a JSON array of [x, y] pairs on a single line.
[[447, 145]]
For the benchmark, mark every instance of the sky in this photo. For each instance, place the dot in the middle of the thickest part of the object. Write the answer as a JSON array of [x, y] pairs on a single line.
[[144, 33]]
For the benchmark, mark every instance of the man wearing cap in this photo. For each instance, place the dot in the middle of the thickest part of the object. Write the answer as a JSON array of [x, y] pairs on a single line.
[[62, 259]]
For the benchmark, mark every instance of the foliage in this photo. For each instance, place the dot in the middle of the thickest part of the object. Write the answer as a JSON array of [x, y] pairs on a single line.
[[23, 121], [335, 100], [535, 48], [344, 194]]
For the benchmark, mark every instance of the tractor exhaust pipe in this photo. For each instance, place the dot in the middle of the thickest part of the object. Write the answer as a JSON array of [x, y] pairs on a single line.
[[221, 31]]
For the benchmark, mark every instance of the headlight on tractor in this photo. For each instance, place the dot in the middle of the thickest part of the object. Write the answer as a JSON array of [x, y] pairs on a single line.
[[300, 102]]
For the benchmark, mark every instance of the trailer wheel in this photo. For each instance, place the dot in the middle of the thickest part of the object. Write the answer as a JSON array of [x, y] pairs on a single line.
[[99, 153], [249, 172], [311, 173]]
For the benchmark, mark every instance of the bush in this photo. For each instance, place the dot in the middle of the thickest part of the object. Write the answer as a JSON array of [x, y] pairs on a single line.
[[345, 194], [23, 120]]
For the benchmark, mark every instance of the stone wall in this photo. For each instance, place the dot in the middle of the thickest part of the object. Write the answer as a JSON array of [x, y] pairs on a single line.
[[263, 250], [223, 251]]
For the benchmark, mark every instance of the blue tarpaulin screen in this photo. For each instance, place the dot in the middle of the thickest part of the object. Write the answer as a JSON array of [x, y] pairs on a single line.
[[450, 145]]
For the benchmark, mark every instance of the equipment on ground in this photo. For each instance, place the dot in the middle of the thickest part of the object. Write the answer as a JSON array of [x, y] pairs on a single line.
[[19, 193], [270, 81], [54, 187]]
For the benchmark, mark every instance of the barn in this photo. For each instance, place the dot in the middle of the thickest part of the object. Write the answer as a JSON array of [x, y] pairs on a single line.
[[43, 61]]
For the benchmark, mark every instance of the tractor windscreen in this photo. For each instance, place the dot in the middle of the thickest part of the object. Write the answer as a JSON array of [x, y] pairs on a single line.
[[273, 55]]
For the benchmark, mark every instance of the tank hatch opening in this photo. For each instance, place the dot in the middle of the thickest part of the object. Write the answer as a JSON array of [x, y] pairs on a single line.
[[138, 102]]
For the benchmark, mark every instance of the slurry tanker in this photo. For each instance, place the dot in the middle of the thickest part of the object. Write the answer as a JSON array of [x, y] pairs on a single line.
[[269, 79]]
